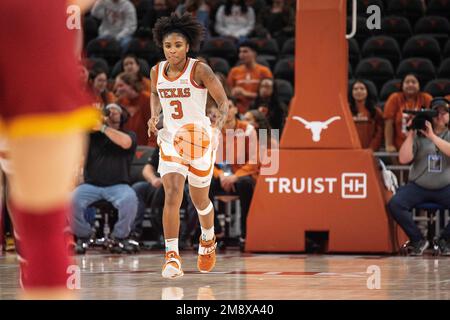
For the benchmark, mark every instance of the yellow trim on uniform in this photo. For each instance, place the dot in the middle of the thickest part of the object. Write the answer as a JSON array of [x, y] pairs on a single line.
[[84, 118]]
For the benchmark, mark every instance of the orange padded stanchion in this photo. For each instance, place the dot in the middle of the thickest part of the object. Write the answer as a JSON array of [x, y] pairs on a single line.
[[325, 181]]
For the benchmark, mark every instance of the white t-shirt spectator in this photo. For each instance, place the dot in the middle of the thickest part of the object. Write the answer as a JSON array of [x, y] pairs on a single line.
[[237, 24], [119, 19]]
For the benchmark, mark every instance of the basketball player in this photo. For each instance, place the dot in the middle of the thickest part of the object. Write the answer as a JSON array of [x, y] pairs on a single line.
[[43, 115], [179, 86]]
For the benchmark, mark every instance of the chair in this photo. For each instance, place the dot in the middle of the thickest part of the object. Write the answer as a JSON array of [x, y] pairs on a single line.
[[231, 227], [435, 26], [378, 70], [397, 27], [140, 159], [424, 69], [146, 50], [106, 216], [362, 6], [438, 87], [97, 64], [219, 65], [285, 69], [382, 47], [288, 48], [267, 49], [285, 90], [444, 69], [220, 47], [108, 49], [422, 46], [353, 52], [411, 9], [389, 88], [143, 65], [439, 8], [434, 214], [446, 51]]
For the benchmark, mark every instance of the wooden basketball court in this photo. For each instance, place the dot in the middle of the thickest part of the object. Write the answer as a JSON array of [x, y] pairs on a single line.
[[254, 276]]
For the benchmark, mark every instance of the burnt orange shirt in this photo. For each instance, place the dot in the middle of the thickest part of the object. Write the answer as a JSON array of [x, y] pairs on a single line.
[[248, 79], [370, 130], [110, 98], [139, 109], [251, 165], [393, 110], [447, 97], [146, 83]]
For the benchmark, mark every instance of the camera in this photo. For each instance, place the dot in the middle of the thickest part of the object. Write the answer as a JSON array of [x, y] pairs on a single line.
[[420, 117]]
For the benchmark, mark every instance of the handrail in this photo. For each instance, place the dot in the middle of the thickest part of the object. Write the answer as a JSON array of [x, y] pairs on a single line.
[[354, 14]]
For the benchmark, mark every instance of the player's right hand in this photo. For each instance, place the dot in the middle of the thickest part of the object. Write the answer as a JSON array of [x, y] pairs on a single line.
[[152, 126]]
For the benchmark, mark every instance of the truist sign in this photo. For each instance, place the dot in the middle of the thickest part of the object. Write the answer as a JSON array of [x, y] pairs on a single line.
[[349, 185]]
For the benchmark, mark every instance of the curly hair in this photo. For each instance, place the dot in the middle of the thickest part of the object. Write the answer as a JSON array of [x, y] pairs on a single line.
[[186, 25]]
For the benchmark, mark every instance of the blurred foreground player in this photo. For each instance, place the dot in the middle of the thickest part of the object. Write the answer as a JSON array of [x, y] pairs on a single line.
[[43, 115]]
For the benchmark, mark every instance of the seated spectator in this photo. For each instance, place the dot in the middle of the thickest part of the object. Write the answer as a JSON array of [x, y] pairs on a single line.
[[368, 118], [130, 65], [137, 103], [119, 20], [428, 151], [245, 78], [410, 98], [99, 81], [197, 8], [235, 19], [277, 21], [269, 105], [106, 177], [230, 176]]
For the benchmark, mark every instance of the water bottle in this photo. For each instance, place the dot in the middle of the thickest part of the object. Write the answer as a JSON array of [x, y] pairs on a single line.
[[226, 168]]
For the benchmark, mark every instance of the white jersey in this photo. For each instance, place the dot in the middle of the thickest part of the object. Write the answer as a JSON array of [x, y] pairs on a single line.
[[182, 100]]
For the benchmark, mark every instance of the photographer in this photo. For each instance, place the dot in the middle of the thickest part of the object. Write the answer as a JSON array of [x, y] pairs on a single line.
[[427, 149], [106, 177]]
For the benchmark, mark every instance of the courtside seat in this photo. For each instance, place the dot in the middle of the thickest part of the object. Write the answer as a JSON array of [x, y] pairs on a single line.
[[145, 49], [219, 65], [439, 8], [410, 9], [108, 49], [220, 47], [397, 27], [438, 87], [284, 69], [382, 47], [285, 90], [444, 69], [97, 64], [354, 54], [389, 88], [267, 49], [435, 26]]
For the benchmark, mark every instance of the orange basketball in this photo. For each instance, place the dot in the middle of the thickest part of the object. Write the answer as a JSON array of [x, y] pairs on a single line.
[[191, 141]]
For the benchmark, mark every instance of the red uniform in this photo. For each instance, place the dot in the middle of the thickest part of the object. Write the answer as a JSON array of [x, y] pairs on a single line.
[[38, 71], [40, 94]]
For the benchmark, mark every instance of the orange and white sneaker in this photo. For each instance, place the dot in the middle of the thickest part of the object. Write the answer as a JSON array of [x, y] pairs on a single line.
[[206, 255], [172, 267]]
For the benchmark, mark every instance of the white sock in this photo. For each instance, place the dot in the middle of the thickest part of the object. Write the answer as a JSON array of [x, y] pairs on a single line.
[[207, 234], [172, 245]]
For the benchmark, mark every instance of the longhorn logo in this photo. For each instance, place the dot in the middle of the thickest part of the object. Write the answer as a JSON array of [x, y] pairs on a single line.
[[316, 127]]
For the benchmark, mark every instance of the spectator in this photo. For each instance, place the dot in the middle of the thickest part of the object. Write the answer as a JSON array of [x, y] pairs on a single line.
[[106, 177], [130, 65], [245, 78], [233, 177], [278, 21], [137, 103], [235, 19], [428, 151], [197, 8], [395, 120], [119, 20], [368, 118], [268, 103], [99, 81]]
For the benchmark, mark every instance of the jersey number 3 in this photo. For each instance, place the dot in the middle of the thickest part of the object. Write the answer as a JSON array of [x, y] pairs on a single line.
[[178, 114]]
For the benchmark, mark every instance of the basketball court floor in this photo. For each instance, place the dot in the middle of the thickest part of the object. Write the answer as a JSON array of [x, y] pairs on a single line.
[[242, 276]]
